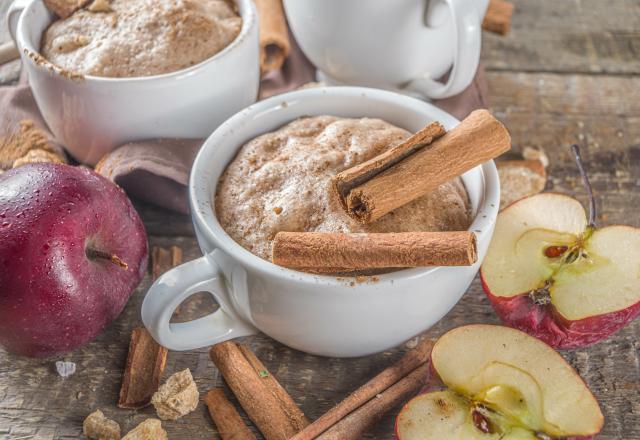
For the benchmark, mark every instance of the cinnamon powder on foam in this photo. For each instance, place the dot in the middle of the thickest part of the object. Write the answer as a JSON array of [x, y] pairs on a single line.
[[280, 182], [130, 38]]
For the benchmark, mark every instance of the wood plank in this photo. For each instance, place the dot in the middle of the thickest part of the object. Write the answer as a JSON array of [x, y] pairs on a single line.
[[571, 36], [600, 113]]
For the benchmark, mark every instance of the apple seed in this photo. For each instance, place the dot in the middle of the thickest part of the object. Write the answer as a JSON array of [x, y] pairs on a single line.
[[555, 251], [481, 422]]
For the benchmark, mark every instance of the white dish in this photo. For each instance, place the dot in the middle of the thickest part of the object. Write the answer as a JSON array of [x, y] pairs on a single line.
[[94, 115]]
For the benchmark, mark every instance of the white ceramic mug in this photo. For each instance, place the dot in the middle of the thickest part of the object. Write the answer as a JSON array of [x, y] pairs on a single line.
[[402, 45], [322, 315], [94, 115]]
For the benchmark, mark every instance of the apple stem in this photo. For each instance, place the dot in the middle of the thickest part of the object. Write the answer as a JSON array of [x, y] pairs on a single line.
[[95, 254], [587, 185]]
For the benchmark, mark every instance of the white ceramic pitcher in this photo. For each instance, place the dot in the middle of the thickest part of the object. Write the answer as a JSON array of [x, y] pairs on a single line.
[[401, 45]]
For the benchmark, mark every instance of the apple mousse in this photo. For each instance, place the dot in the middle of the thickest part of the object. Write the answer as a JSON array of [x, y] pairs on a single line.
[[280, 181], [131, 38]]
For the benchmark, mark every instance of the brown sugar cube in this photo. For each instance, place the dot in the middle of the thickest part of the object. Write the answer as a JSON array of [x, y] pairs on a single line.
[[176, 397], [64, 8], [97, 427], [150, 429], [519, 179]]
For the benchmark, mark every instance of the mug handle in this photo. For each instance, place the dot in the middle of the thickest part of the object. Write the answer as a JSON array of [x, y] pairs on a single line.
[[13, 15], [172, 288], [466, 21]]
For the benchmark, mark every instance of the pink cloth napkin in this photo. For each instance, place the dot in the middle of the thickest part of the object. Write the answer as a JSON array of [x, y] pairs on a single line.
[[157, 170]]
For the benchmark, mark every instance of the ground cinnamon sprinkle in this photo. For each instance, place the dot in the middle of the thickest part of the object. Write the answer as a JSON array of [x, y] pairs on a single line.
[[27, 144]]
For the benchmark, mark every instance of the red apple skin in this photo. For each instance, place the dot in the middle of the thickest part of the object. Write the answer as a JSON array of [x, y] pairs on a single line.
[[546, 324], [53, 297]]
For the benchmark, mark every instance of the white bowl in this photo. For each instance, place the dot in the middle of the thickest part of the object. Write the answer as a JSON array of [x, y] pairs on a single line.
[[94, 115], [322, 315]]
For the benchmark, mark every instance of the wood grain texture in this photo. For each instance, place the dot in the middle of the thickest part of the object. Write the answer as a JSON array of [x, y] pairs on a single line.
[[569, 36], [564, 73]]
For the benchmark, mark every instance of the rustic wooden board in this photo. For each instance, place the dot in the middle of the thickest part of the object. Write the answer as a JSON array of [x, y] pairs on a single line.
[[564, 75], [587, 36]]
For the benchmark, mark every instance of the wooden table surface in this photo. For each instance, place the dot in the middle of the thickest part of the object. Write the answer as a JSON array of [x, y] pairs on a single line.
[[567, 72]]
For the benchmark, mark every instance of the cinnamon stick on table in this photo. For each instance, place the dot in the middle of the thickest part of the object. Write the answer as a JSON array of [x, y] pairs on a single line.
[[417, 166], [264, 400], [146, 359], [225, 416], [369, 392], [145, 364], [498, 17], [355, 424], [274, 35], [344, 252]]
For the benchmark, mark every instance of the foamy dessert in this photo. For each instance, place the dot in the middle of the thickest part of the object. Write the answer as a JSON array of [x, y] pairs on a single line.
[[128, 38], [280, 181]]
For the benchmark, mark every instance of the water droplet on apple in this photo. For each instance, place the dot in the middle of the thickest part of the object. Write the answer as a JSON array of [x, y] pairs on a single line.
[[6, 224]]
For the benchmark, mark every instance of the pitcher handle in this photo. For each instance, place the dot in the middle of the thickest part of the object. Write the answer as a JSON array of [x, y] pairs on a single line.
[[176, 285], [13, 15], [467, 24]]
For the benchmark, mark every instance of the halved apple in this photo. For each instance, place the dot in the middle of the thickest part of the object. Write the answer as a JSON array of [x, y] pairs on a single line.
[[551, 274], [501, 384]]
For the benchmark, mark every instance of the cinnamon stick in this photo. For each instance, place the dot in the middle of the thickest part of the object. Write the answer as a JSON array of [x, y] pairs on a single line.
[[297, 417], [146, 359], [274, 35], [145, 364], [228, 422], [350, 178], [277, 417], [163, 259], [355, 424], [384, 183], [330, 250], [498, 17], [408, 363]]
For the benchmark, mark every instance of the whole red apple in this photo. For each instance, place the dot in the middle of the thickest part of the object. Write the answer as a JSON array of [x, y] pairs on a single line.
[[72, 250]]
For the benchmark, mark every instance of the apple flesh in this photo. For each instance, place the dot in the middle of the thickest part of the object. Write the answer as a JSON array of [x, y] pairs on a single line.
[[500, 384], [549, 273], [72, 250]]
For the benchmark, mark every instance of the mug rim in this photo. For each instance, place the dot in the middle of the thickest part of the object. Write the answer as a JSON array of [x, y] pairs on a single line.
[[246, 10], [201, 198]]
